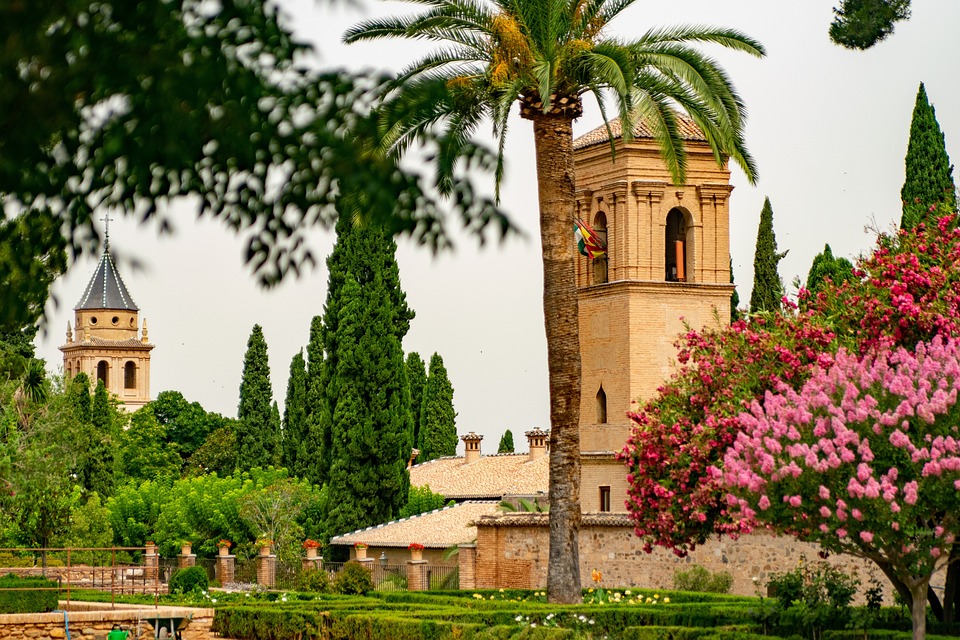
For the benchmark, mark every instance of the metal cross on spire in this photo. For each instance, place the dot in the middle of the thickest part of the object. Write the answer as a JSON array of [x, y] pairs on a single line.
[[106, 221]]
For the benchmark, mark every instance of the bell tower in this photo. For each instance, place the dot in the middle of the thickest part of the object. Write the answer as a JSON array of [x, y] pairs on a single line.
[[667, 264], [107, 344]]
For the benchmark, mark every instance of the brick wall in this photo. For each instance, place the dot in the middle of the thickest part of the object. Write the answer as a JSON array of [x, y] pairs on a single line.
[[94, 625]]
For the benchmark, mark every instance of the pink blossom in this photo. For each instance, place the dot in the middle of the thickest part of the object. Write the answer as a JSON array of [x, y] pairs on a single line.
[[764, 503], [824, 493], [866, 536]]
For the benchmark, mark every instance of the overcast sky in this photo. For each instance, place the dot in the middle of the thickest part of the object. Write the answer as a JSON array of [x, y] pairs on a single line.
[[828, 128]]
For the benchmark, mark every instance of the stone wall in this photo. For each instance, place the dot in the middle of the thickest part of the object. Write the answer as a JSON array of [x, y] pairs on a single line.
[[513, 551], [88, 623], [121, 579]]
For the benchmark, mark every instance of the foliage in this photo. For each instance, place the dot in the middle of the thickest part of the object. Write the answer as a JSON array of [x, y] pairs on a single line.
[[417, 381], [368, 402], [421, 500], [144, 451], [698, 578], [258, 436], [860, 24], [928, 187], [296, 440], [767, 286], [28, 275], [89, 527], [734, 298], [274, 511], [438, 428], [313, 580], [38, 595], [188, 579], [353, 579], [96, 471], [318, 470], [838, 270], [506, 442], [187, 424], [812, 584], [134, 510], [218, 453]]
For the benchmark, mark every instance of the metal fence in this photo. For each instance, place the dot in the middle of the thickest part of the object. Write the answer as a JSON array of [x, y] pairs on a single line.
[[385, 577]]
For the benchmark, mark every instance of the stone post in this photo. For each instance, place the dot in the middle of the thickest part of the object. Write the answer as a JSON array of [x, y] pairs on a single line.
[[225, 569], [267, 570], [417, 575], [312, 564], [186, 558], [151, 563], [467, 563]]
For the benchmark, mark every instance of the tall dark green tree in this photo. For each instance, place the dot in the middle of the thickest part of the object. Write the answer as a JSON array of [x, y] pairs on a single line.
[[438, 431], [767, 286], [258, 437], [187, 424], [825, 265], [860, 24], [367, 412], [295, 429], [98, 473], [417, 380], [506, 442], [734, 298], [929, 175], [317, 468]]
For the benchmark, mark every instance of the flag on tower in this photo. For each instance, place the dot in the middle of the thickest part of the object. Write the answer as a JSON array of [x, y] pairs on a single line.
[[588, 242]]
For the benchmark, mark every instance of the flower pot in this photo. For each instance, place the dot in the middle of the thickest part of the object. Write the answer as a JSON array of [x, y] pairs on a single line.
[[224, 551], [311, 552], [265, 550], [361, 553], [416, 555], [185, 549]]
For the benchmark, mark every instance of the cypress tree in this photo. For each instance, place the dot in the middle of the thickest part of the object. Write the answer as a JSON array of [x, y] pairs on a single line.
[[78, 391], [367, 408], [506, 442], [317, 461], [929, 176], [98, 473], [438, 431], [257, 433], [734, 298], [295, 434], [767, 286], [417, 379], [825, 265]]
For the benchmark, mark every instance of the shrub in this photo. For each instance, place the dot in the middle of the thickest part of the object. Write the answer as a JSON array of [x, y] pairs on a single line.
[[701, 580], [32, 600], [353, 579], [188, 579], [314, 580]]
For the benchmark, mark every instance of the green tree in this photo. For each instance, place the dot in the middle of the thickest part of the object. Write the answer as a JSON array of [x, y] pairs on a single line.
[[417, 380], [421, 500], [318, 433], [438, 433], [929, 174], [547, 54], [734, 298], [506, 442], [257, 439], [860, 24], [296, 438], [825, 265], [365, 320], [144, 451], [218, 453], [98, 471], [767, 290], [187, 424]]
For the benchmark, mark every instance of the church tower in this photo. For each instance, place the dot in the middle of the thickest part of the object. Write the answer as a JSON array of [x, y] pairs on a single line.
[[667, 263], [107, 344]]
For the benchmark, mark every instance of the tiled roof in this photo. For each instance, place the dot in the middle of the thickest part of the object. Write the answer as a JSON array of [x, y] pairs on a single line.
[[435, 529], [106, 289], [489, 477], [523, 519], [687, 128]]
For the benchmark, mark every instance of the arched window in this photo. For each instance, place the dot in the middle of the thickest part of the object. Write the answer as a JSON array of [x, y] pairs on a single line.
[[102, 369], [69, 371], [601, 406], [675, 247], [130, 375], [600, 264]]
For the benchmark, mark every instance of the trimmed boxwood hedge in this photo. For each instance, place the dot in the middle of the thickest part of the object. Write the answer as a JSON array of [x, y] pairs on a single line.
[[38, 595]]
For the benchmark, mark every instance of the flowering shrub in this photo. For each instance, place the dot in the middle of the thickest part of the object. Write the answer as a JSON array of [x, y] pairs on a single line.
[[224, 544], [309, 543]]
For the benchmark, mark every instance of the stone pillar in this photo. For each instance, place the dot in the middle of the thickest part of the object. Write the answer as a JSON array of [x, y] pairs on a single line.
[[185, 560], [417, 575], [312, 564], [467, 562], [226, 565], [267, 570], [151, 563]]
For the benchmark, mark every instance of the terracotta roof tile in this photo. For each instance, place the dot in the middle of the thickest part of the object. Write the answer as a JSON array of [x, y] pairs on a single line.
[[688, 131], [522, 519], [490, 477], [435, 529]]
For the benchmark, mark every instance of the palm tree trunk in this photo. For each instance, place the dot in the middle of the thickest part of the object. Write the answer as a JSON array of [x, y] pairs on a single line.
[[553, 135]]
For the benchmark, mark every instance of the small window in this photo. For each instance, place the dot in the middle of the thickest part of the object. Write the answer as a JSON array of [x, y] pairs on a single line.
[[130, 375], [675, 247], [115, 320], [600, 264], [102, 369], [604, 499], [93, 320], [601, 406]]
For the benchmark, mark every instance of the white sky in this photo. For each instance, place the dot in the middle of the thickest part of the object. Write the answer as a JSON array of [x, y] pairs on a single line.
[[828, 128]]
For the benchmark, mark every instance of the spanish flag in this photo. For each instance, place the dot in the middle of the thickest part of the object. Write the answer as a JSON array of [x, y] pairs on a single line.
[[588, 242]]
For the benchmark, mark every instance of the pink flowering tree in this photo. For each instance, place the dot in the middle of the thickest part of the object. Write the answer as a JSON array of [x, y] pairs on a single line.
[[864, 459]]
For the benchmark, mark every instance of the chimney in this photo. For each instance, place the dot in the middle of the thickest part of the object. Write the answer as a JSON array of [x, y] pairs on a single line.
[[537, 440], [471, 443]]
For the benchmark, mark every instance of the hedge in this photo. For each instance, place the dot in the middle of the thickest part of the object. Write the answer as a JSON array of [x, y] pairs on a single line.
[[31, 599]]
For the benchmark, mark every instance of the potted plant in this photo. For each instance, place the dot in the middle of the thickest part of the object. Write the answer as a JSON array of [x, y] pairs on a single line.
[[361, 548], [265, 545], [151, 547], [416, 551], [312, 547], [224, 547], [186, 548]]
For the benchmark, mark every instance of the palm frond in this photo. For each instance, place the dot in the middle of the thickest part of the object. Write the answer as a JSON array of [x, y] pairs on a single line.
[[729, 38]]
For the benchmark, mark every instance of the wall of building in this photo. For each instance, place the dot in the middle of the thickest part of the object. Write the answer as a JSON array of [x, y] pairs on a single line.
[[95, 625]]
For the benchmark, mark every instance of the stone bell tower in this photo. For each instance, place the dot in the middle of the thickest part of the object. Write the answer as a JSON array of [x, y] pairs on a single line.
[[107, 344], [667, 263]]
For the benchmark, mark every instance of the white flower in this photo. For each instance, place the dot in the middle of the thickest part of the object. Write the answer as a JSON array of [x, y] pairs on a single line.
[[591, 622], [283, 599], [213, 600], [519, 618]]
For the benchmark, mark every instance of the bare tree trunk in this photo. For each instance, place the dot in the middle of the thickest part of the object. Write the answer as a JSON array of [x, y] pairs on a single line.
[[918, 609], [553, 135]]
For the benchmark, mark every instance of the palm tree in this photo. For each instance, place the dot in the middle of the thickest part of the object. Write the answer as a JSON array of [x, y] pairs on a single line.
[[547, 54]]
